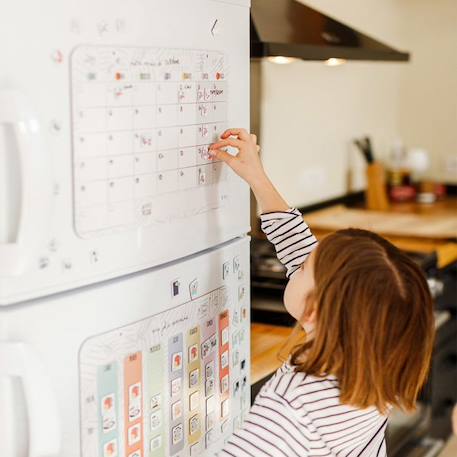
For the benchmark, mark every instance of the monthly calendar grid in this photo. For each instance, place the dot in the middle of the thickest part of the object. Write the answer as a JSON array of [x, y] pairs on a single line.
[[145, 134]]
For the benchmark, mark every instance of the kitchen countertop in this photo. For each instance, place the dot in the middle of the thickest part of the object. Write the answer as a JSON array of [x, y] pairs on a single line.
[[410, 226], [267, 343]]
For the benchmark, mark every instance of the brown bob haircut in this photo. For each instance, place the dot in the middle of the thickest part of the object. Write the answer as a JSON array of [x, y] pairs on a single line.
[[374, 321]]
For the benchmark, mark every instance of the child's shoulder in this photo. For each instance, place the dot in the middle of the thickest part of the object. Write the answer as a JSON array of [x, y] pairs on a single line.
[[299, 389]]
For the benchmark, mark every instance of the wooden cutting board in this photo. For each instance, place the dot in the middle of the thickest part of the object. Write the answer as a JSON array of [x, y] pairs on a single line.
[[442, 225]]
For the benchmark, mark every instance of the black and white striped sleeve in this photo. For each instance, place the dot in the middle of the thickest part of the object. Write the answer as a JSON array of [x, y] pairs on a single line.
[[270, 429], [291, 237]]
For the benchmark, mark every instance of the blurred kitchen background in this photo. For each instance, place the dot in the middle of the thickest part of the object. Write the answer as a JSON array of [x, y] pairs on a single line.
[[357, 122]]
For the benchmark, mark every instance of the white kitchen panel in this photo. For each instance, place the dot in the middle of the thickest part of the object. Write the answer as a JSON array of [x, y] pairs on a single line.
[[100, 70], [118, 355]]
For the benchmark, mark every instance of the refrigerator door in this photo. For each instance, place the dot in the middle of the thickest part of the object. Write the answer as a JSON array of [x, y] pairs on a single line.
[[153, 364], [106, 113]]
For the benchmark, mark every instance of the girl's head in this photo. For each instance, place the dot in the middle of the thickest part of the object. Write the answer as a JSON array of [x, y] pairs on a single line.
[[372, 314]]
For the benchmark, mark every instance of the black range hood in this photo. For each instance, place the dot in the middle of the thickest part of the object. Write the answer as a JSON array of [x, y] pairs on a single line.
[[290, 29]]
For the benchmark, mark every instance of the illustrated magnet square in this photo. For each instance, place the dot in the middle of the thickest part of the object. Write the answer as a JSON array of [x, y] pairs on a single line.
[[194, 424], [213, 341], [134, 434], [210, 421], [176, 385], [225, 384], [155, 443], [224, 336], [156, 401], [176, 361], [206, 348], [193, 353], [176, 410], [194, 377], [224, 359], [194, 400], [210, 404], [135, 401], [209, 369], [177, 434], [209, 387], [110, 449], [108, 413], [156, 420]]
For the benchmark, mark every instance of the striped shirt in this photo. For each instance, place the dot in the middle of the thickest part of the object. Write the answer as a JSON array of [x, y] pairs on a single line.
[[295, 414]]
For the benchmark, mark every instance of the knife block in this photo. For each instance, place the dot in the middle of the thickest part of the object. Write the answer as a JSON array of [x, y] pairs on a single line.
[[376, 192]]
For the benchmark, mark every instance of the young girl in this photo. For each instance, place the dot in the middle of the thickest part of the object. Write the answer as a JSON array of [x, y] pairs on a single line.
[[368, 314]]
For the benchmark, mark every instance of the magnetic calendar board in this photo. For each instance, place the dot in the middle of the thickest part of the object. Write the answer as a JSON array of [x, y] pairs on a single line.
[[143, 119]]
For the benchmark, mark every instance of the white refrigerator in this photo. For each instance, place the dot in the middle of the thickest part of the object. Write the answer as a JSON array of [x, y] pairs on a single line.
[[124, 259]]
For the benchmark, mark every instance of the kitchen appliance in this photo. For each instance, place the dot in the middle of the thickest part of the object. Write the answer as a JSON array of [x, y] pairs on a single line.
[[124, 281], [288, 28]]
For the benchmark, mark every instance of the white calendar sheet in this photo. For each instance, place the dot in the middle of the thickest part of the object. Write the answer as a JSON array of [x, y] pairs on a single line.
[[143, 119]]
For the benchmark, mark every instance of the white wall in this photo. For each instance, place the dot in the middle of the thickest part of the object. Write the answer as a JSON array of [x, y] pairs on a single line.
[[311, 112]]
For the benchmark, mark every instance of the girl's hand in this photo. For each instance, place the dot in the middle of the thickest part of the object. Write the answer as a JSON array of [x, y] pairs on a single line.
[[246, 163]]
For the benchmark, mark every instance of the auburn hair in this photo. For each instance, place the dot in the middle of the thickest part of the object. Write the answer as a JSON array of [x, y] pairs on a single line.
[[374, 321]]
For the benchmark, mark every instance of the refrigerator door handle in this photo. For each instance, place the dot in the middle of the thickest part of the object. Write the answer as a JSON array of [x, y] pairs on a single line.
[[18, 360], [33, 174]]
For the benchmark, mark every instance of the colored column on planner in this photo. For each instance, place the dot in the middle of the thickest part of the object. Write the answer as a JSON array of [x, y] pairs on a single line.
[[176, 374], [224, 364], [155, 403], [133, 405], [194, 377], [108, 399]]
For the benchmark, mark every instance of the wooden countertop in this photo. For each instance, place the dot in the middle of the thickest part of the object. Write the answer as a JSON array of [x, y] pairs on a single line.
[[410, 226], [267, 341]]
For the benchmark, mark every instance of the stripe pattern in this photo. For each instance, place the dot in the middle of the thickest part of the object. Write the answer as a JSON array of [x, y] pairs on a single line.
[[295, 414], [291, 237]]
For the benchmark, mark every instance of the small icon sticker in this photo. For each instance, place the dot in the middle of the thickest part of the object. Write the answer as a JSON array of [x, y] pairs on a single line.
[[176, 387], [209, 369], [156, 420], [194, 400], [134, 401], [224, 359], [155, 443], [224, 384], [194, 377], [176, 363], [193, 353], [194, 424], [110, 449], [177, 434], [156, 401], [134, 434], [108, 413], [176, 410]]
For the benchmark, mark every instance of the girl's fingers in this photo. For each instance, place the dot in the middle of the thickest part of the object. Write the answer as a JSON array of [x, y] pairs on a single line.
[[219, 154], [242, 134], [254, 137], [228, 142]]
